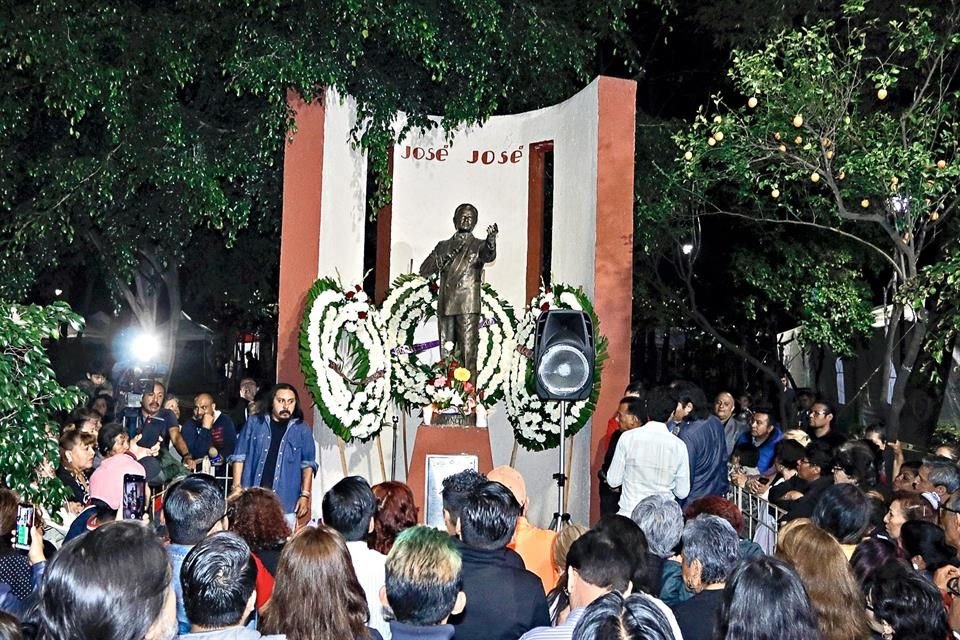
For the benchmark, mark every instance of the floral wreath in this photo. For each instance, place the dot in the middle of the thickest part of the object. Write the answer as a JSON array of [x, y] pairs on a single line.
[[536, 423], [344, 359], [412, 300]]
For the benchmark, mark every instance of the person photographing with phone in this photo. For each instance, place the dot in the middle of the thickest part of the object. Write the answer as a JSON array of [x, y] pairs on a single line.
[[22, 559]]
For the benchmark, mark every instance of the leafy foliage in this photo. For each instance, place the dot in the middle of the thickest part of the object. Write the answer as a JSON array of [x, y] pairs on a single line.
[[30, 397]]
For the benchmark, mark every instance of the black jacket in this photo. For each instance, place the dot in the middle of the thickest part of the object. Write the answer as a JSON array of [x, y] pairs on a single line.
[[503, 600]]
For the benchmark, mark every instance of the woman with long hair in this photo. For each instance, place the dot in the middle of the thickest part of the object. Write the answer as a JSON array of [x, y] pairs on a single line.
[[396, 511], [765, 598], [317, 595], [833, 590]]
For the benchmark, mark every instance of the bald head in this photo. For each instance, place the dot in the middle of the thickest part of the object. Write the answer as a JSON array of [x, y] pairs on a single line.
[[723, 405], [203, 405]]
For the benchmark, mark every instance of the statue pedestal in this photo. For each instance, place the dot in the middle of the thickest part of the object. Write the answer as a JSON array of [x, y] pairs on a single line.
[[445, 440]]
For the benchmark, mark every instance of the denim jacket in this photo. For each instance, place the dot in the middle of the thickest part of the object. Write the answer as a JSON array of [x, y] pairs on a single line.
[[297, 452]]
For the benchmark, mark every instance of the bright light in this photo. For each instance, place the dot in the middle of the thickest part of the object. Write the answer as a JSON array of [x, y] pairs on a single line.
[[687, 248], [57, 292], [144, 346]]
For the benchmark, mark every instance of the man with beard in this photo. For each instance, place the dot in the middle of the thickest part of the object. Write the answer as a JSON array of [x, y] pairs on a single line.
[[276, 450]]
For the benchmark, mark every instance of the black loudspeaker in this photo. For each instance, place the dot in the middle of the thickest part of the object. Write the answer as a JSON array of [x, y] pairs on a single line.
[[564, 355]]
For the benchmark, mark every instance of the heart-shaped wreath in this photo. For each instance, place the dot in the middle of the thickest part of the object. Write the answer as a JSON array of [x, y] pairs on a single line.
[[536, 423], [345, 359]]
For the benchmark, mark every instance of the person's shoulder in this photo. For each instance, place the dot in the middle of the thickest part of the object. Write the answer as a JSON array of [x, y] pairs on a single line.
[[224, 420]]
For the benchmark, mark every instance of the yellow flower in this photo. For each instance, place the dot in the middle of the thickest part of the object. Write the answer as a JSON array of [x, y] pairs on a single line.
[[461, 374]]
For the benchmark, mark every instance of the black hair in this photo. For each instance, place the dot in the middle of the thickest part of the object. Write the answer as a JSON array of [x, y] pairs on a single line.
[[632, 541], [689, 393], [870, 555], [928, 541], [789, 453], [108, 584], [746, 612], [635, 387], [843, 511], [456, 488], [218, 577], [878, 428], [660, 403], [348, 507], [830, 409], [819, 454], [858, 461], [601, 561], [191, 508], [636, 407], [9, 627], [108, 399], [267, 406], [108, 437], [489, 517], [613, 617], [907, 601]]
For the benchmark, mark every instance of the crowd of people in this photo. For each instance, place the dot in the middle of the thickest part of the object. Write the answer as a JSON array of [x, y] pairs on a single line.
[[229, 550]]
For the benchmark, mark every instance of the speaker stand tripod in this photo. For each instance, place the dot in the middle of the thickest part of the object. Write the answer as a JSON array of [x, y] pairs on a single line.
[[560, 518]]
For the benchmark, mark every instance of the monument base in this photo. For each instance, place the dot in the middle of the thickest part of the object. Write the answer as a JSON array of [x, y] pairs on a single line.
[[445, 440]]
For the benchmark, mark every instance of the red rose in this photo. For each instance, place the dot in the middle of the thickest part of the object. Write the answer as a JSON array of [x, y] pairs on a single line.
[[362, 315], [350, 294], [358, 288], [545, 306]]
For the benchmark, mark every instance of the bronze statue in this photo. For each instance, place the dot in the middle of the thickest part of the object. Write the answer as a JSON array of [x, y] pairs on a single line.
[[459, 261]]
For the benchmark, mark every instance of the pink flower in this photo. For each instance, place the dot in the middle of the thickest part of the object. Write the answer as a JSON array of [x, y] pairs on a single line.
[[440, 382]]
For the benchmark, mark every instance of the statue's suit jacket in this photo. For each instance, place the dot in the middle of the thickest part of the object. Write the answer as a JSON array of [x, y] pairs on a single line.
[[460, 261]]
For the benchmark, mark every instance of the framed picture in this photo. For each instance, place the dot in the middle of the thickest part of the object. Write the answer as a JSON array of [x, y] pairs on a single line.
[[439, 468]]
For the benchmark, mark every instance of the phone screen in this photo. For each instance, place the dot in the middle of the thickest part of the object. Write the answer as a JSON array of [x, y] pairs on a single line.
[[134, 496], [24, 525]]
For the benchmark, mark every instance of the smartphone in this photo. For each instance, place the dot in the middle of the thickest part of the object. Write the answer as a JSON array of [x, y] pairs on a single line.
[[24, 536], [134, 496]]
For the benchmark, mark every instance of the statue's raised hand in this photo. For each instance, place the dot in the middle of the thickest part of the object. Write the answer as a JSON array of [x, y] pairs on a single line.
[[492, 231]]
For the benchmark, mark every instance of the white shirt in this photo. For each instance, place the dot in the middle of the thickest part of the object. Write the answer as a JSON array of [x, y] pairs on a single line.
[[369, 565], [649, 460]]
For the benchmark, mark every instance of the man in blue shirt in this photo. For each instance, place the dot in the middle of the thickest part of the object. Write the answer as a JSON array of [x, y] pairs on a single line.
[[756, 449], [276, 450]]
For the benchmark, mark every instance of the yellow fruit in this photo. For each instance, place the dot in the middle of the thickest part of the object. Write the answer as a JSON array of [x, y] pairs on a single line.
[[776, 136], [752, 102], [711, 141], [865, 203], [688, 156], [798, 120], [717, 119], [815, 177], [798, 140], [830, 154], [941, 164], [881, 94], [782, 148], [934, 216], [718, 136], [775, 194]]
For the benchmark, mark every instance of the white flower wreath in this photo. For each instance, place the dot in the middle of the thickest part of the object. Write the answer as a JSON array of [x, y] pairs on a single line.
[[345, 359], [536, 424], [413, 300]]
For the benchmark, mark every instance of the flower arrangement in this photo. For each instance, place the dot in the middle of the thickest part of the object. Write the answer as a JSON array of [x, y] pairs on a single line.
[[451, 390], [345, 360], [411, 301], [536, 423]]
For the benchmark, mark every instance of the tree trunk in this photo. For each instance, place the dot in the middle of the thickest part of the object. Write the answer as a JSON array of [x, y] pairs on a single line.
[[917, 333]]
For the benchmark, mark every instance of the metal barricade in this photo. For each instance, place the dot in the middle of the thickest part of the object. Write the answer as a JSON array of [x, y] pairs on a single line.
[[760, 517]]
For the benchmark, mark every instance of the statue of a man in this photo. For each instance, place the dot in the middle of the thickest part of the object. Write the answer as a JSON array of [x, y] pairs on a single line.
[[459, 261]]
